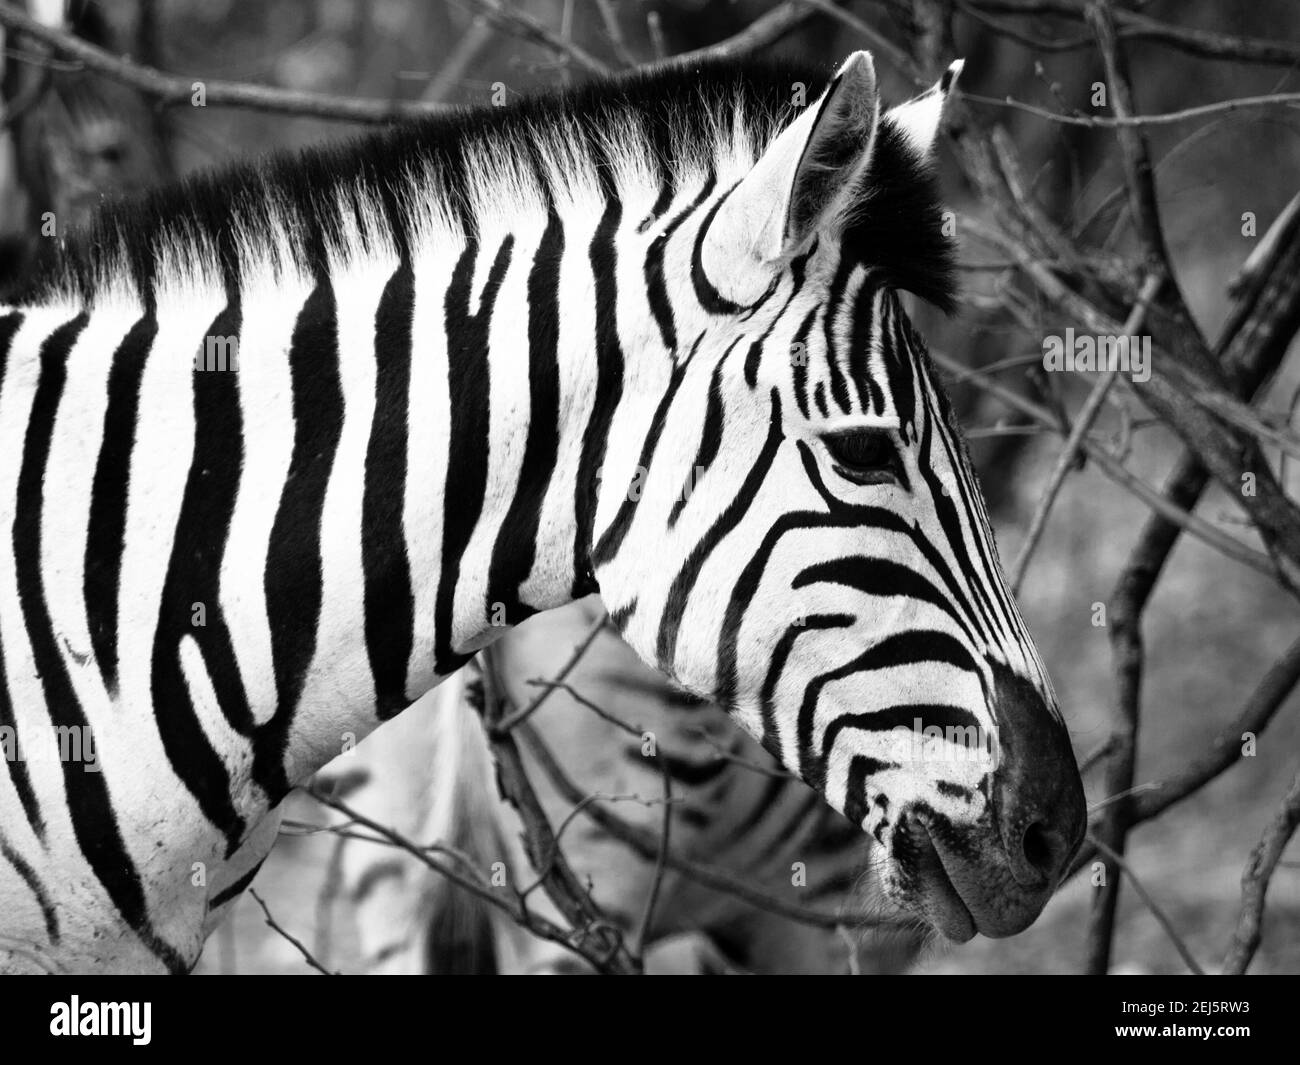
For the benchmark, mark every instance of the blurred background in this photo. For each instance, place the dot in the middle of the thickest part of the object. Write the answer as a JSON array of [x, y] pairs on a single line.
[[1213, 626]]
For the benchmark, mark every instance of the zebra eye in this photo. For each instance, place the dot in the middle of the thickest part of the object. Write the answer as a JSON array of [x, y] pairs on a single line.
[[864, 456]]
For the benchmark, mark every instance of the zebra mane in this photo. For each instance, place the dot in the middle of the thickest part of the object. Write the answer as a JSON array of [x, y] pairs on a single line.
[[665, 127]]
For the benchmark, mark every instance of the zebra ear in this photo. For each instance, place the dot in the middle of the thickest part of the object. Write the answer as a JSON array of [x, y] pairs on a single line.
[[800, 184], [835, 150], [918, 119]]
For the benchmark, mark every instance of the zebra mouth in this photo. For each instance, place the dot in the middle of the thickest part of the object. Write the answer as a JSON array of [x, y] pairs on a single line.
[[938, 901]]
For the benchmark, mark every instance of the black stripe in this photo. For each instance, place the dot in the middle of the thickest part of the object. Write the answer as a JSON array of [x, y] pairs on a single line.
[[928, 551], [771, 737], [683, 771], [90, 808], [1000, 605], [747, 585], [835, 886], [194, 576], [236, 889], [881, 577], [869, 395], [954, 791], [839, 387], [819, 398], [28, 876], [16, 765], [662, 202], [888, 718], [774, 788], [619, 616], [779, 835], [755, 355], [656, 288], [294, 570], [801, 359], [861, 769], [609, 389], [680, 591], [108, 498], [906, 648], [469, 387], [939, 414], [516, 546], [710, 437], [710, 298], [949, 519], [612, 538], [389, 602], [836, 834], [9, 326], [898, 363]]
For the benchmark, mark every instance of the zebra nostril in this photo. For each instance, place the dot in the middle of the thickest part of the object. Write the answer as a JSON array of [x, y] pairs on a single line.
[[1039, 807], [1043, 849]]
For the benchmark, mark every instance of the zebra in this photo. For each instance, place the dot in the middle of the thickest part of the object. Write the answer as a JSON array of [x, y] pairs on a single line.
[[431, 777], [478, 358]]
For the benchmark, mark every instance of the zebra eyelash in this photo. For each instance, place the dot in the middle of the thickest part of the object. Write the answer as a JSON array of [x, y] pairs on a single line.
[[866, 455]]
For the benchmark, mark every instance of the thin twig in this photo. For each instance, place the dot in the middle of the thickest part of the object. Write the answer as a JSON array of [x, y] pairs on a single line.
[[476, 38], [1113, 468], [1151, 904], [1246, 418], [275, 927], [1136, 155], [521, 24], [1065, 461], [1242, 103], [512, 719], [655, 31], [661, 859], [173, 90], [1225, 750], [638, 731], [1205, 44], [601, 938], [475, 884], [879, 42], [614, 31], [645, 843], [1255, 880]]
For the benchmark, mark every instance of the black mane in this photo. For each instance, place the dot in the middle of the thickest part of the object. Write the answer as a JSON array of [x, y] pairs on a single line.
[[898, 230]]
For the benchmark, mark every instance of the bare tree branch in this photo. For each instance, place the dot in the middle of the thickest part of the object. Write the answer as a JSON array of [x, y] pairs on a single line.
[[521, 24], [1254, 881], [1075, 441], [1289, 100], [599, 937], [661, 859], [173, 90], [1115, 469], [1156, 911], [1204, 44], [646, 844], [515, 717], [279, 930], [470, 880]]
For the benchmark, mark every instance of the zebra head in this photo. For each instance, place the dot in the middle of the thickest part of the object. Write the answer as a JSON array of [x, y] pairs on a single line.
[[806, 542]]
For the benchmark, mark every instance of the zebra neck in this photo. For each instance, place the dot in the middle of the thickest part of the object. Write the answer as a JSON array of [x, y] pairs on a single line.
[[557, 357], [301, 499], [504, 369]]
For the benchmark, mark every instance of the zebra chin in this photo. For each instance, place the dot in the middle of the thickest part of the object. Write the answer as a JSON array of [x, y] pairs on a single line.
[[993, 874], [958, 880]]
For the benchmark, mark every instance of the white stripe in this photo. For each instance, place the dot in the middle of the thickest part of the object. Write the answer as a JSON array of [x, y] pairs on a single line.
[[266, 405], [428, 438]]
